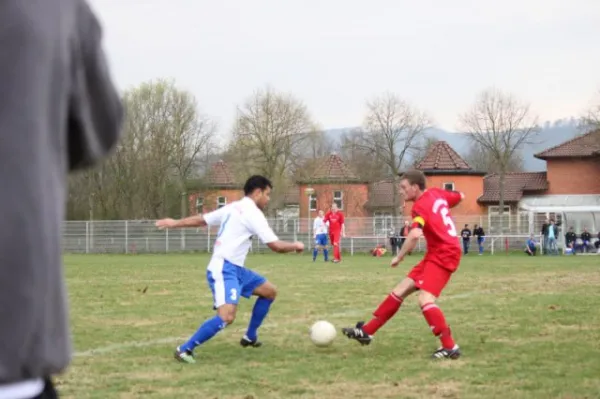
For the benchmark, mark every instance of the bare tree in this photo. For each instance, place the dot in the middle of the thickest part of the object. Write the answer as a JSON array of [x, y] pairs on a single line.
[[591, 118], [269, 131], [192, 138], [392, 130], [500, 125], [367, 167], [480, 159], [421, 151], [164, 137]]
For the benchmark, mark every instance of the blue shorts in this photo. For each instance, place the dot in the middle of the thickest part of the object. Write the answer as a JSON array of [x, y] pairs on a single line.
[[228, 282], [321, 239]]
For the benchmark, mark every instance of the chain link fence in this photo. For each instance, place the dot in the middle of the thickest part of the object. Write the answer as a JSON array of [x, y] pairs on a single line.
[[362, 235]]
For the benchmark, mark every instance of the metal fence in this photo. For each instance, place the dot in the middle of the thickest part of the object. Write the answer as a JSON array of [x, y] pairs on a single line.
[[362, 235]]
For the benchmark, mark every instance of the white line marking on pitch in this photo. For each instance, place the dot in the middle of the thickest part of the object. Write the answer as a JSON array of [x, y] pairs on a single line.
[[127, 345], [170, 340]]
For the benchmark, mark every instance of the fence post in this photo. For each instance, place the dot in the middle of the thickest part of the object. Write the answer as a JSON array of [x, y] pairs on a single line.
[[296, 229], [183, 239], [351, 246], [208, 239], [91, 235], [127, 236], [87, 237], [166, 240]]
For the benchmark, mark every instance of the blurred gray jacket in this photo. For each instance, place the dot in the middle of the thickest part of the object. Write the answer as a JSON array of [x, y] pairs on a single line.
[[59, 112]]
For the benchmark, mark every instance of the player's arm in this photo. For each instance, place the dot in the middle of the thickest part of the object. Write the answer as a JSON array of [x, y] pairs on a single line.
[[343, 225], [213, 218], [453, 197], [260, 227], [411, 240]]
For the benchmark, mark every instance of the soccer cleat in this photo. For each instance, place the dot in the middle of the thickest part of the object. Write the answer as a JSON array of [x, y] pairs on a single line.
[[184, 356], [358, 334], [442, 353], [247, 342]]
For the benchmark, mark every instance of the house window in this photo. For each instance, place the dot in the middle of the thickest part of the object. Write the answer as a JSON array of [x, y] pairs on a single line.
[[338, 198], [449, 186], [199, 204], [221, 202], [498, 225], [312, 202], [382, 223]]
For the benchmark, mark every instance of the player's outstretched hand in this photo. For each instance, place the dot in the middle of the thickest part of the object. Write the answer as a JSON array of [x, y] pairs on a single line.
[[165, 223], [299, 246], [395, 261]]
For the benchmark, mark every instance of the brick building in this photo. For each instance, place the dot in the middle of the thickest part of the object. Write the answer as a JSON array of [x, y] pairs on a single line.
[[219, 189], [573, 167], [573, 171], [446, 169]]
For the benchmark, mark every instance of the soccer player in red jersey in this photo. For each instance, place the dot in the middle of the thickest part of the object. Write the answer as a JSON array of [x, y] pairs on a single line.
[[431, 218], [337, 230]]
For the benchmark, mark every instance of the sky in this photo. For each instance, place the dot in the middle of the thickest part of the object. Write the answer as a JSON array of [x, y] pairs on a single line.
[[336, 54]]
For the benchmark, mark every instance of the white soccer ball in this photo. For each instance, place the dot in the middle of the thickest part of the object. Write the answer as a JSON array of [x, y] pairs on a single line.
[[322, 333]]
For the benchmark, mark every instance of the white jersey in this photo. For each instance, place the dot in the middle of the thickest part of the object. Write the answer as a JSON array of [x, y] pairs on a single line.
[[238, 221], [319, 226]]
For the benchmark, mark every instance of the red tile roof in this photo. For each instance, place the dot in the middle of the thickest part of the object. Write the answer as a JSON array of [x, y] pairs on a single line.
[[381, 195], [221, 176], [515, 185], [586, 145], [333, 169], [442, 157]]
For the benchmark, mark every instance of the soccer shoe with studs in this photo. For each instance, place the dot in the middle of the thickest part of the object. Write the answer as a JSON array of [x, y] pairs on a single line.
[[358, 334], [247, 342], [184, 356], [442, 353]]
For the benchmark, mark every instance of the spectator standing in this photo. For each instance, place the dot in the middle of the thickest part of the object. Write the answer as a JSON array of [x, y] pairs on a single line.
[[545, 228], [393, 240], [60, 112], [404, 233], [480, 235], [466, 238], [552, 234]]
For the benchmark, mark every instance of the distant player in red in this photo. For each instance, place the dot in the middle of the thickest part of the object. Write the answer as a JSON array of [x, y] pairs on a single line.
[[335, 218], [431, 218]]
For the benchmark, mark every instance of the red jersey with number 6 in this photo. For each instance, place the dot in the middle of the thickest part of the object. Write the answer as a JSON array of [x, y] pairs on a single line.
[[431, 213]]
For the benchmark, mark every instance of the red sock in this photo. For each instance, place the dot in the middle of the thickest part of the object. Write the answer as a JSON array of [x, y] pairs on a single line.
[[336, 252], [386, 310], [436, 320]]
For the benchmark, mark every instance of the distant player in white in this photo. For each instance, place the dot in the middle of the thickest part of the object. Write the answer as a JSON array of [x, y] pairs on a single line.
[[320, 235], [227, 277]]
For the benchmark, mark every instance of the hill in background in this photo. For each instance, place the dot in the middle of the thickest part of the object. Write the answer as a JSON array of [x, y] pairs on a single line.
[[552, 133]]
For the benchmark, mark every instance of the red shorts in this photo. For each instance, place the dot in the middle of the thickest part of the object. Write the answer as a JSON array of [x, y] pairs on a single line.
[[335, 238], [429, 276]]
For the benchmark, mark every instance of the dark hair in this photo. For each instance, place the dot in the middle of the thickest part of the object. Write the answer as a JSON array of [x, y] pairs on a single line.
[[414, 177], [256, 182]]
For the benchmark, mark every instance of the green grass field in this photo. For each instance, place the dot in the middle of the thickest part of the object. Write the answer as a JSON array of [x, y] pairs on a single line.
[[528, 327]]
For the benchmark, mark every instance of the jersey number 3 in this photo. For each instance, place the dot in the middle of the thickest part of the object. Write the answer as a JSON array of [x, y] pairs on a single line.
[[441, 207]]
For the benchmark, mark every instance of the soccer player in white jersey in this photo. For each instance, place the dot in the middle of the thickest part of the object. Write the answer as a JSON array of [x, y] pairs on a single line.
[[320, 234], [227, 277]]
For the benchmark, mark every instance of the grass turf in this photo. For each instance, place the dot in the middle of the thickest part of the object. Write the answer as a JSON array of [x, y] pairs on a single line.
[[529, 327]]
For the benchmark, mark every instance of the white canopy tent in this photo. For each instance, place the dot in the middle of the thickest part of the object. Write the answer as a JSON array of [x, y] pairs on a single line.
[[579, 211]]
